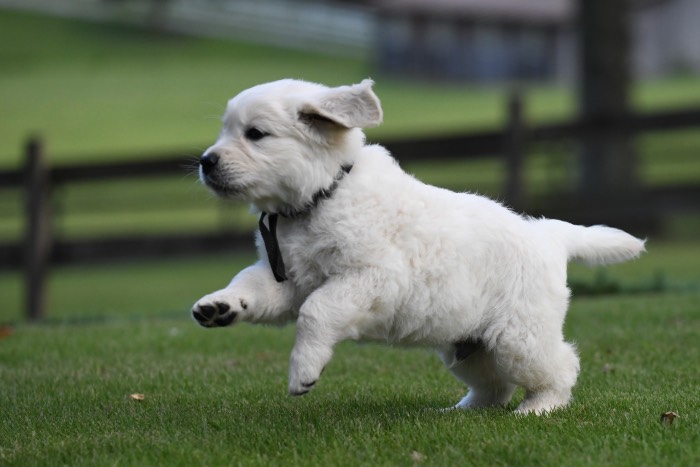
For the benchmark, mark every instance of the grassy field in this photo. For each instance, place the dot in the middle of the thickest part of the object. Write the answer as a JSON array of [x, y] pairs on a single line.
[[218, 397]]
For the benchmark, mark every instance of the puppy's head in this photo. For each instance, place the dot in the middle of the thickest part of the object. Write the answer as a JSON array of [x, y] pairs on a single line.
[[283, 141]]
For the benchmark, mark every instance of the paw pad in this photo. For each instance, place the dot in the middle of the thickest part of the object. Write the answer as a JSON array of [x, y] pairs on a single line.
[[217, 314]]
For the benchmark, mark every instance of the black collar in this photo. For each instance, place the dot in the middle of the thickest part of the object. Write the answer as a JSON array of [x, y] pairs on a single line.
[[269, 232], [320, 195]]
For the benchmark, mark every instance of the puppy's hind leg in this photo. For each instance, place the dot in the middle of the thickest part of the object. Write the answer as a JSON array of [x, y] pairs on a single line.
[[487, 388], [557, 370]]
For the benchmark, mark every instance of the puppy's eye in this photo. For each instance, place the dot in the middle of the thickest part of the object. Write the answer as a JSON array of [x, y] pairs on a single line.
[[254, 134]]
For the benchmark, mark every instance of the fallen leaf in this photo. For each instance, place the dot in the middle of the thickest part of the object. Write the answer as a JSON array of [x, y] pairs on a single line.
[[6, 331], [138, 397], [668, 417]]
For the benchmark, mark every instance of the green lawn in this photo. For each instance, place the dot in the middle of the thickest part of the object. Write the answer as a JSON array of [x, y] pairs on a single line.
[[218, 397]]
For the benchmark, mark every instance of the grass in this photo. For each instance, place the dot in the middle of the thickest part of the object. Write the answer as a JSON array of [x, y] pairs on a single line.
[[219, 396], [216, 397], [128, 290]]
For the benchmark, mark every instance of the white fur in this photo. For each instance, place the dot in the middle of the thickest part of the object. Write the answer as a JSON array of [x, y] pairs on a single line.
[[389, 258]]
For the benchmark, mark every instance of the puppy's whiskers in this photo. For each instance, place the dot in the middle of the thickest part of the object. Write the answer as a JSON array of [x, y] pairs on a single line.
[[190, 165]]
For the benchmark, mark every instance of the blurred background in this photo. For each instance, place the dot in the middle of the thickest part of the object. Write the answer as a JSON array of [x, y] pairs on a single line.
[[583, 110]]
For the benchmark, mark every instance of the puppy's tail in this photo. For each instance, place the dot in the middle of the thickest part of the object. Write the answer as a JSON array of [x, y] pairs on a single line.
[[596, 245]]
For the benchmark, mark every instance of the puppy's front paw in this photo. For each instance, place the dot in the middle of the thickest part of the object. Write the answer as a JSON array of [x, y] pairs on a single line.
[[215, 312], [303, 376]]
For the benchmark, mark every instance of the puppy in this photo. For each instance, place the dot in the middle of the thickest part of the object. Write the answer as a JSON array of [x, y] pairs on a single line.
[[352, 247]]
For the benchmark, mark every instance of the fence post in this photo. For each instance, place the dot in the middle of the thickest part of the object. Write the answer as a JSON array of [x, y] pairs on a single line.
[[514, 152], [38, 235]]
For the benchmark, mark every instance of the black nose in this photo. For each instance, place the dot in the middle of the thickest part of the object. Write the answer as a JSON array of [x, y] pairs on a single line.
[[208, 161]]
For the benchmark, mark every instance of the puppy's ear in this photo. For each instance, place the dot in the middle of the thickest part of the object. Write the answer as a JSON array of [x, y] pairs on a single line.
[[353, 106]]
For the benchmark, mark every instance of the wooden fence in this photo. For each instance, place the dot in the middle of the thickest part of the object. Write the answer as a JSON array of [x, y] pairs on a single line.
[[36, 179]]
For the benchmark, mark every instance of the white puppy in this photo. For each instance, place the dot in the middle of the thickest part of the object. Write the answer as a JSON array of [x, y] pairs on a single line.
[[352, 247]]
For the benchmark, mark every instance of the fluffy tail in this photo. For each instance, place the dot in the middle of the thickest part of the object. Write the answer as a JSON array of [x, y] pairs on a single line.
[[596, 245]]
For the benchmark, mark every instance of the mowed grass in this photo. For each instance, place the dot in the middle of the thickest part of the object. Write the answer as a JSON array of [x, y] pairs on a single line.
[[218, 396]]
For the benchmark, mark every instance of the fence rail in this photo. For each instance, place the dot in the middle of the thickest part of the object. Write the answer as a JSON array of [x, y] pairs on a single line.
[[438, 147], [39, 249]]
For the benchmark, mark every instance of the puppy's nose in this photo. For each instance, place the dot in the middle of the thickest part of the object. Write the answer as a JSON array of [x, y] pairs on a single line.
[[208, 161]]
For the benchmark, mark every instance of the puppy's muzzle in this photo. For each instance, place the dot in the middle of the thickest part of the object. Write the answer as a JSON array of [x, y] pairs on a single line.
[[208, 162]]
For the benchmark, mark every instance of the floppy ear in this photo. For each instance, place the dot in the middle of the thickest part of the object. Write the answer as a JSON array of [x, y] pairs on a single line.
[[353, 106]]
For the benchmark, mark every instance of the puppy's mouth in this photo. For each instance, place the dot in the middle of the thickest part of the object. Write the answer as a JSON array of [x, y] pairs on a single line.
[[222, 190]]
